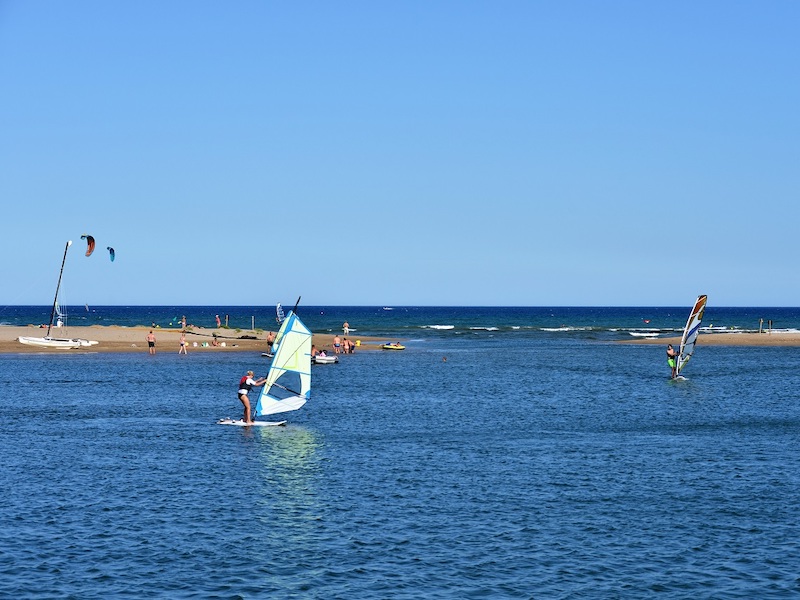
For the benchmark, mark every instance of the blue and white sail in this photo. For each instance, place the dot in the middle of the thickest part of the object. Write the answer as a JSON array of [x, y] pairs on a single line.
[[279, 316], [690, 332], [288, 385]]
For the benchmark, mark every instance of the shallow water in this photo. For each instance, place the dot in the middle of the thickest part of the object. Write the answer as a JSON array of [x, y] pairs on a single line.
[[555, 468]]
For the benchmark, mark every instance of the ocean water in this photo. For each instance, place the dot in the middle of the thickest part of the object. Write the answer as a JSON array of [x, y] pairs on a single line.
[[477, 463]]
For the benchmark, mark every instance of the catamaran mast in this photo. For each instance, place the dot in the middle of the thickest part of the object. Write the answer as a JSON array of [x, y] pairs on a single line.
[[55, 300]]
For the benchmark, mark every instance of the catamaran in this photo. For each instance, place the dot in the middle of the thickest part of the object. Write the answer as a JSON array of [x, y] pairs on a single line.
[[51, 342], [690, 333], [288, 385]]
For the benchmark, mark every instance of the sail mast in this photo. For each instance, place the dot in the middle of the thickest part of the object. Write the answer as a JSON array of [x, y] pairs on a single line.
[[58, 286]]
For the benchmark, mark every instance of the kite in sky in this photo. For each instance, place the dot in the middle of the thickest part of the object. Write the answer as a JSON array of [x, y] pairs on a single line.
[[89, 243]]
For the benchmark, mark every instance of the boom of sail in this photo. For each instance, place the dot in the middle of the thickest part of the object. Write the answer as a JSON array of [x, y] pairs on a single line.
[[288, 385], [690, 332]]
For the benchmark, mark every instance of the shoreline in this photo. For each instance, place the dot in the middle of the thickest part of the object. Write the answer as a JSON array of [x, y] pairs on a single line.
[[726, 339], [116, 338]]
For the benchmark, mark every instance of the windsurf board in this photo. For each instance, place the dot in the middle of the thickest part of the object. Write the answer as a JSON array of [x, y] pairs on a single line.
[[241, 423]]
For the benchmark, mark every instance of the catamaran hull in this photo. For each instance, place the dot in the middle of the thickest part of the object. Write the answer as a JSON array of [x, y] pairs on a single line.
[[58, 343]]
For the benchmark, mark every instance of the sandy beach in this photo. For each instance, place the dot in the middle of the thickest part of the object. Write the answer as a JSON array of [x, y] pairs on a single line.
[[132, 339], [729, 339]]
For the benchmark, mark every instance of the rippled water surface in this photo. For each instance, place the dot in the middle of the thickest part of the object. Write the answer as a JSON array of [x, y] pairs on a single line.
[[511, 469]]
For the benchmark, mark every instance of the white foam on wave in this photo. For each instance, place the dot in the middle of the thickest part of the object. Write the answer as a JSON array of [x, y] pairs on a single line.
[[485, 328], [438, 326]]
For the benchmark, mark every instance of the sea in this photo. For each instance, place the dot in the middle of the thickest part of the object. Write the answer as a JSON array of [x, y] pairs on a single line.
[[507, 452]]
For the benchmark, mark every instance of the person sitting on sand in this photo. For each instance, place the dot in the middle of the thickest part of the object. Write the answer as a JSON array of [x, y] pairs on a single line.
[[247, 383]]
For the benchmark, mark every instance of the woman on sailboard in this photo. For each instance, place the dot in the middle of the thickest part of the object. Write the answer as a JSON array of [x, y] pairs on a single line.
[[247, 383]]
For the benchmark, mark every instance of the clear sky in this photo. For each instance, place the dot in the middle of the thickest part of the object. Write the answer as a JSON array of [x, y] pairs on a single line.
[[401, 153]]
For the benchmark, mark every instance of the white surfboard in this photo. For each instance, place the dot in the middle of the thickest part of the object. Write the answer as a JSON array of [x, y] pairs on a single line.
[[241, 423]]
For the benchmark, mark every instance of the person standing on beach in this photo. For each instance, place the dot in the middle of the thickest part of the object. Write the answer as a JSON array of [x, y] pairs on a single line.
[[672, 360], [218, 323], [346, 328], [270, 341], [337, 344], [151, 342], [247, 383], [183, 344]]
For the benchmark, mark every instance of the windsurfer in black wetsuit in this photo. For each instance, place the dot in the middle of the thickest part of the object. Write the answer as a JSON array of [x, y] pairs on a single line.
[[672, 360], [246, 383]]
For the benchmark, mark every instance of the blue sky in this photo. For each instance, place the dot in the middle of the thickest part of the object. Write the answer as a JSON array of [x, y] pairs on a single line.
[[411, 153]]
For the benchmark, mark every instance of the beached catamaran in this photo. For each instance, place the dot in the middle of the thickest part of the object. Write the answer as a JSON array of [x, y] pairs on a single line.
[[690, 333], [288, 385], [51, 342]]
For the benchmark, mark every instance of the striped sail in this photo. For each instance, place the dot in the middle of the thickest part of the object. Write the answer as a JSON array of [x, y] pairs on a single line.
[[288, 385], [691, 332]]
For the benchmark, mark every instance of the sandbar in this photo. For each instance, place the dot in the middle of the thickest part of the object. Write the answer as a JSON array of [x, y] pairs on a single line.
[[114, 338], [730, 339]]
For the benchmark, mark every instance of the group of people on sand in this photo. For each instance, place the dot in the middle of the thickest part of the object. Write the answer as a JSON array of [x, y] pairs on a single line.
[[151, 343], [343, 345], [183, 344]]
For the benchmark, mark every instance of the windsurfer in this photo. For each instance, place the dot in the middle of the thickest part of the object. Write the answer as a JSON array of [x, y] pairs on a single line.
[[672, 360], [246, 383]]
